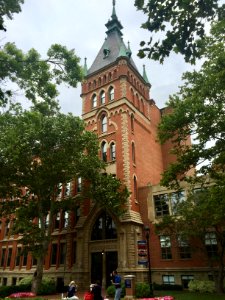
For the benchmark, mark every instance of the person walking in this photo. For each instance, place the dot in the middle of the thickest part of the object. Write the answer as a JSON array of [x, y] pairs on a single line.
[[116, 281]]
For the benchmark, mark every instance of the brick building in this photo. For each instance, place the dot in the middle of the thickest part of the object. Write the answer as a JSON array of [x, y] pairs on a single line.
[[117, 107]]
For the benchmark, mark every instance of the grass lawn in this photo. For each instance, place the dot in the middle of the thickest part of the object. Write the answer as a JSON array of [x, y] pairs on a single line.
[[181, 295]]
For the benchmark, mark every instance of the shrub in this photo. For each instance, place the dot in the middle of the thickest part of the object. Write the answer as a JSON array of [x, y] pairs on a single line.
[[110, 291], [201, 286], [47, 287], [142, 290]]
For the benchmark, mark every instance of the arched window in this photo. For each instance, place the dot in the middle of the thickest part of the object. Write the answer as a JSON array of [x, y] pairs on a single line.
[[104, 151], [94, 100], [104, 123], [111, 94], [99, 81], [104, 228], [110, 76], [142, 106], [132, 96], [133, 153], [102, 97], [132, 122], [112, 151], [135, 188]]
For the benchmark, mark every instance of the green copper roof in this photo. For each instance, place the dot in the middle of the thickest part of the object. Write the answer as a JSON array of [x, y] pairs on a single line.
[[85, 70], [113, 46], [145, 75]]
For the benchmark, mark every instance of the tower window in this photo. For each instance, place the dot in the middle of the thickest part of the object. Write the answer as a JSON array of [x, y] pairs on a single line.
[[113, 151], [102, 97], [104, 151], [104, 123], [132, 122], [94, 101], [135, 188], [133, 153], [111, 94]]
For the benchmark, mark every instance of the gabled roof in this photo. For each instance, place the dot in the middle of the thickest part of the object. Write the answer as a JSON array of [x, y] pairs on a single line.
[[113, 46]]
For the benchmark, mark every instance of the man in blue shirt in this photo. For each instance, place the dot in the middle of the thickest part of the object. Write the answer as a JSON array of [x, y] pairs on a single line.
[[117, 283]]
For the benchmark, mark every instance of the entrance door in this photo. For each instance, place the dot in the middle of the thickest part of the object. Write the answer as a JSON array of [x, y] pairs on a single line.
[[111, 263], [96, 267]]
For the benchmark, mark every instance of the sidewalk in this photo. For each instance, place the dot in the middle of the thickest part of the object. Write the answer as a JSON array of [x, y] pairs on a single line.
[[58, 296]]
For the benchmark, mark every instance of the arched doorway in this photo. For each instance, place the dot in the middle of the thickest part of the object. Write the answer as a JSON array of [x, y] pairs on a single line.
[[105, 259]]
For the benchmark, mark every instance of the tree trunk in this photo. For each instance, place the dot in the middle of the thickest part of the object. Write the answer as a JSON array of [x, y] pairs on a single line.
[[37, 276]]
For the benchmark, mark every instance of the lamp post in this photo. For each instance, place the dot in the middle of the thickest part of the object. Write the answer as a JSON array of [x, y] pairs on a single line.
[[147, 235]]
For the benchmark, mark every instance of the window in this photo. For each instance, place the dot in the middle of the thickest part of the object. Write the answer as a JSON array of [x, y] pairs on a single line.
[[165, 247], [175, 199], [132, 122], [65, 219], [54, 254], [57, 220], [94, 101], [133, 153], [3, 257], [104, 228], [104, 123], [104, 151], [161, 204], [211, 244], [168, 279], [18, 256], [74, 252], [185, 279], [67, 189], [113, 151], [111, 94], [79, 184], [135, 188], [77, 213], [102, 97], [24, 260], [9, 257], [184, 248], [62, 253]]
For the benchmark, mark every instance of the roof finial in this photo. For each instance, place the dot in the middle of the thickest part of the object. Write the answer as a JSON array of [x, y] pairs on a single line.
[[145, 75], [85, 69], [114, 9]]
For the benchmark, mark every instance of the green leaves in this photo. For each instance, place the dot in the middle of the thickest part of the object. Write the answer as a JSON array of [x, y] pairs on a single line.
[[38, 77], [7, 9], [183, 23]]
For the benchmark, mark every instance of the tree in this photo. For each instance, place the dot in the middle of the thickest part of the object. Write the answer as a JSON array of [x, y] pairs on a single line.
[[8, 8], [37, 77], [41, 149], [38, 153], [182, 25], [198, 110]]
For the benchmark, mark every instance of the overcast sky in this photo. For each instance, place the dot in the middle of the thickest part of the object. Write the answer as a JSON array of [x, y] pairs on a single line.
[[80, 25]]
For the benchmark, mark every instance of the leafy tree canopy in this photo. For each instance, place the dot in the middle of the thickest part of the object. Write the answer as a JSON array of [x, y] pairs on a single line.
[[182, 25], [37, 77], [8, 8], [198, 110]]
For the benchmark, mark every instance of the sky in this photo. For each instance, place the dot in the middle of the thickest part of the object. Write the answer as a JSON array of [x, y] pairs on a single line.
[[80, 25]]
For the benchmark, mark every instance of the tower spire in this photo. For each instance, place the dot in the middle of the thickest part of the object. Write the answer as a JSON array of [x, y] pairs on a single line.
[[114, 9]]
